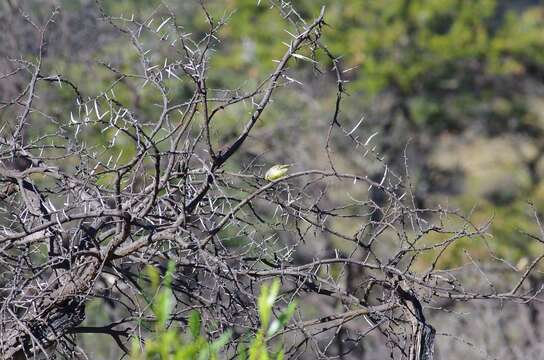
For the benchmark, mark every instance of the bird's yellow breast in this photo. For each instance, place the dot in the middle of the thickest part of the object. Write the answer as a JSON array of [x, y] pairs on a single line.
[[276, 172]]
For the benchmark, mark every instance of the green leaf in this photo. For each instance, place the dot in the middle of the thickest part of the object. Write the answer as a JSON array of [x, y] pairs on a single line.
[[171, 267], [242, 354], [154, 276], [266, 301], [221, 342], [287, 314], [282, 319], [194, 323], [264, 309], [162, 306], [190, 350], [274, 327], [204, 353], [257, 350]]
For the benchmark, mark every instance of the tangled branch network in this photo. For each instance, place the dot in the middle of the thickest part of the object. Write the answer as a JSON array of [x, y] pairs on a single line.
[[105, 188]]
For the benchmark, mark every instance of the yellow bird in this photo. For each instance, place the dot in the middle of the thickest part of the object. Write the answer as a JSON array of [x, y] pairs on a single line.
[[277, 172], [522, 263]]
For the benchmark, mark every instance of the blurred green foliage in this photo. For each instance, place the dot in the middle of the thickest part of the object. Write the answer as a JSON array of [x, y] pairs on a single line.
[[168, 342], [432, 53]]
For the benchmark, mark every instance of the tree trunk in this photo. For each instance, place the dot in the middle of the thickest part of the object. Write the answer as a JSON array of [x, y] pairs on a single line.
[[421, 345]]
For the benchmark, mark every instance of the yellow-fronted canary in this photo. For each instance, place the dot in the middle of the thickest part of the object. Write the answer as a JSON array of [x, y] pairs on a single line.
[[277, 172]]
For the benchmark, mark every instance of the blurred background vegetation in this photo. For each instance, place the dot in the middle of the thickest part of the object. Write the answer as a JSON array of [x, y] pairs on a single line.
[[453, 88]]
